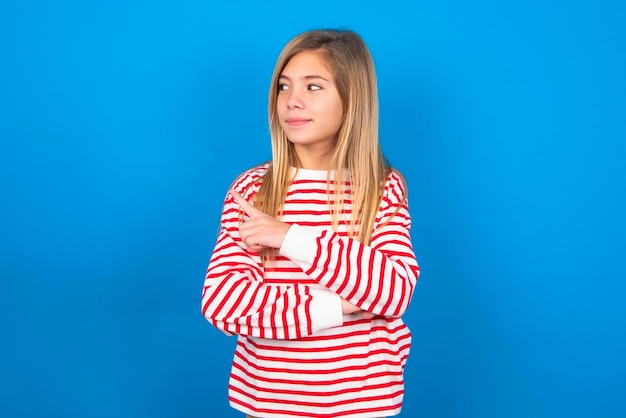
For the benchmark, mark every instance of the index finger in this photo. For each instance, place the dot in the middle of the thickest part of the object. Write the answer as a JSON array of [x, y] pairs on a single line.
[[245, 205]]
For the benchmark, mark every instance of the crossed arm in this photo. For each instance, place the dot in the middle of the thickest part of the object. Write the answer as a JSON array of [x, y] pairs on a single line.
[[356, 279]]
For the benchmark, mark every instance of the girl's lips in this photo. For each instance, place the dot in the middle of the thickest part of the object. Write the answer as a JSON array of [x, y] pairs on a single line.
[[297, 122]]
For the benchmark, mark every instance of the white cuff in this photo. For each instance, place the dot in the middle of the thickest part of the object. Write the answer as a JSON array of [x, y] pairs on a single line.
[[325, 309], [300, 244]]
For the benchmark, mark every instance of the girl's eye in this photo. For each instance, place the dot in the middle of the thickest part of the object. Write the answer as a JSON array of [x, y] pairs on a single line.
[[314, 87], [282, 87]]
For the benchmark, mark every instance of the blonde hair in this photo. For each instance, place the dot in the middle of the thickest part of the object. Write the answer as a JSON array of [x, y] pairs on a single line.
[[357, 154]]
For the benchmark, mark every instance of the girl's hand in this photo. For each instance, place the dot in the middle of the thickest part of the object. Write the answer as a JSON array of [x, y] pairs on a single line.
[[259, 231], [350, 308]]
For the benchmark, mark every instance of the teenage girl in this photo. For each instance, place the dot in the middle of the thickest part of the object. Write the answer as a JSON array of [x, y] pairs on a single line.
[[313, 267]]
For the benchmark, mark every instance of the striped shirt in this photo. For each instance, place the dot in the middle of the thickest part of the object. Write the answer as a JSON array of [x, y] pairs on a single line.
[[297, 355]]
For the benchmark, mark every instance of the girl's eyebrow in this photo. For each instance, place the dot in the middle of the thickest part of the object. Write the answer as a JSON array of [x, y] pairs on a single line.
[[307, 77]]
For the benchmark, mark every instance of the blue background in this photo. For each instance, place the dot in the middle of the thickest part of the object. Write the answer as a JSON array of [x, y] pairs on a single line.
[[122, 125]]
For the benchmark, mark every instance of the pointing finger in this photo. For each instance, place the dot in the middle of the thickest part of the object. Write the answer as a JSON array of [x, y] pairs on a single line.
[[245, 205]]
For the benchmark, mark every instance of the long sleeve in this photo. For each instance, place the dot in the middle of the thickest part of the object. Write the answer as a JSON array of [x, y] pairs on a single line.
[[236, 300], [379, 278]]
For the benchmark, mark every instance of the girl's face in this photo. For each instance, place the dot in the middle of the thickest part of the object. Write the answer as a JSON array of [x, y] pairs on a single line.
[[308, 105]]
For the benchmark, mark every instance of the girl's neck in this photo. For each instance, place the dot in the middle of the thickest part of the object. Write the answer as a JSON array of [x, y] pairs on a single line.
[[311, 160]]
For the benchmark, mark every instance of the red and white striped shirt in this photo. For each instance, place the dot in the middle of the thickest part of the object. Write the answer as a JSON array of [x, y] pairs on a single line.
[[297, 355]]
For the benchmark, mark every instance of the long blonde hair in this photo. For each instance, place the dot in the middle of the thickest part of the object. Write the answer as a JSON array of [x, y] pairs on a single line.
[[357, 154]]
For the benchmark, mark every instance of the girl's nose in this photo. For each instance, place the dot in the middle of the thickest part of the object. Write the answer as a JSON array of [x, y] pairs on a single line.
[[294, 101]]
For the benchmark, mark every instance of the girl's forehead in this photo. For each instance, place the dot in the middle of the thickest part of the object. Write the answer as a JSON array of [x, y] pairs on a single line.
[[308, 61]]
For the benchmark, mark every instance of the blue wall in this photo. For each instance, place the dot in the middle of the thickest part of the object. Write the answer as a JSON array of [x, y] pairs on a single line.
[[122, 125]]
